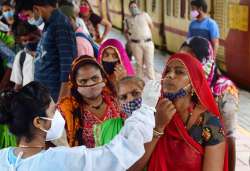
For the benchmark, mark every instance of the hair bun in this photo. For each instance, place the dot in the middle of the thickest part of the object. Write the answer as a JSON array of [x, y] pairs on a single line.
[[6, 97]]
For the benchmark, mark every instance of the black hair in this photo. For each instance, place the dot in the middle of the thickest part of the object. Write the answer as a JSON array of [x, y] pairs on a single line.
[[199, 46], [65, 2], [7, 3], [18, 109], [200, 4], [132, 2], [28, 4], [22, 28], [24, 5]]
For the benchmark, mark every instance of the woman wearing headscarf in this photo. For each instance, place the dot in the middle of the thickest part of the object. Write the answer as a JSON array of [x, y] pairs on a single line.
[[193, 137], [115, 61], [223, 89], [91, 103]]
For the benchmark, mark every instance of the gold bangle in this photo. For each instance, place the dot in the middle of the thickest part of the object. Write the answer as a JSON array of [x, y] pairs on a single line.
[[157, 134]]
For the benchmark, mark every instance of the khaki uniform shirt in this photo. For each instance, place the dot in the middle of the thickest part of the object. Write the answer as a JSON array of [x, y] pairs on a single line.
[[138, 26]]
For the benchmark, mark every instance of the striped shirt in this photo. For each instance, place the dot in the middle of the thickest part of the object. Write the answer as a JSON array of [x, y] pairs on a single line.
[[55, 53]]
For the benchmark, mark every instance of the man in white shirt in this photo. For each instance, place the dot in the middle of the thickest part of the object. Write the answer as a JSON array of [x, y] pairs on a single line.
[[23, 66], [22, 75], [138, 29]]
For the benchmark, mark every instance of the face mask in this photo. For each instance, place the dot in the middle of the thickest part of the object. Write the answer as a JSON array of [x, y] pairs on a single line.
[[131, 106], [134, 11], [92, 91], [194, 14], [8, 14], [31, 46], [57, 126], [84, 9], [22, 17], [109, 67], [35, 22], [180, 93]]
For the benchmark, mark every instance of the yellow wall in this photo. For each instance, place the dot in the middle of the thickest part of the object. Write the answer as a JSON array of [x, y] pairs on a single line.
[[94, 4], [156, 15], [115, 18]]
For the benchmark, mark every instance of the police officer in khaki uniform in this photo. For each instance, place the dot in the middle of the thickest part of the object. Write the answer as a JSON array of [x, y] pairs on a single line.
[[138, 32]]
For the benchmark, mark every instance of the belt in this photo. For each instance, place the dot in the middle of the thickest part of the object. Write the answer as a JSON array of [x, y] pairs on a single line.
[[139, 41]]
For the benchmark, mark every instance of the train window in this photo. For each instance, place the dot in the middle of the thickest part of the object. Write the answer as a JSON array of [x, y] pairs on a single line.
[[169, 5], [153, 5], [183, 8]]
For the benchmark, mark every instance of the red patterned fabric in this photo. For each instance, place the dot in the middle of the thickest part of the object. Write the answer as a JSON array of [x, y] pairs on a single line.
[[176, 150], [89, 120]]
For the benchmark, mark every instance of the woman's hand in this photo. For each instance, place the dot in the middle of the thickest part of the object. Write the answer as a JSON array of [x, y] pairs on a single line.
[[165, 110], [120, 72], [99, 40]]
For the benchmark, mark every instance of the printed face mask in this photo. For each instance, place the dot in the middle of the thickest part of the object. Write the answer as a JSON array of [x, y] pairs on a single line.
[[131, 106], [180, 93], [109, 67], [92, 91]]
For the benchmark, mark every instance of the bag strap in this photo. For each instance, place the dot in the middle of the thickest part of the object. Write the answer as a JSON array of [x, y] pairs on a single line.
[[84, 36]]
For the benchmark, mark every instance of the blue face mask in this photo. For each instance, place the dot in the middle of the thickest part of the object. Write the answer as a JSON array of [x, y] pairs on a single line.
[[35, 22], [134, 11], [180, 93], [8, 14], [31, 46], [131, 106]]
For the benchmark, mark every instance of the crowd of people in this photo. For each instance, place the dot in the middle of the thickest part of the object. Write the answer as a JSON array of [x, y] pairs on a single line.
[[71, 99]]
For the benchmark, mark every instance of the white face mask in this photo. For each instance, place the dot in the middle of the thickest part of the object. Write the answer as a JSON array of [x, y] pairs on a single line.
[[57, 126], [35, 22]]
